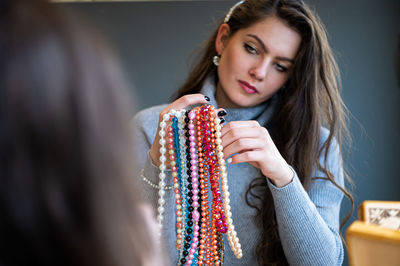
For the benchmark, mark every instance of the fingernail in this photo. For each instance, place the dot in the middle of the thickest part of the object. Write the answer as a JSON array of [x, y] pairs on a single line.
[[222, 120], [207, 98], [222, 113]]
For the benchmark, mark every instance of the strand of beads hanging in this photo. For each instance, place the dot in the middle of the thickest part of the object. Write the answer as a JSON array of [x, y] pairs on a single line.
[[162, 167], [183, 176], [206, 229], [218, 216], [203, 188], [232, 235], [195, 188], [218, 211], [196, 158], [189, 213], [175, 177], [217, 224]]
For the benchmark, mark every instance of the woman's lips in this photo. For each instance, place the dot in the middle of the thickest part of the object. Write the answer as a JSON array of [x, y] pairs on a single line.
[[247, 87]]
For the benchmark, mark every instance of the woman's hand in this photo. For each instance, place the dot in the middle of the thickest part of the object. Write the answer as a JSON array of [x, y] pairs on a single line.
[[180, 103], [252, 144]]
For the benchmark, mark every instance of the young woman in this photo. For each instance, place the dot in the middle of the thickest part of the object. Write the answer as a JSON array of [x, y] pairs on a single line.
[[270, 67], [66, 192]]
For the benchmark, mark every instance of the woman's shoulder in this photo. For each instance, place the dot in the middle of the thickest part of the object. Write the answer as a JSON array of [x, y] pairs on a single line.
[[333, 160], [324, 137]]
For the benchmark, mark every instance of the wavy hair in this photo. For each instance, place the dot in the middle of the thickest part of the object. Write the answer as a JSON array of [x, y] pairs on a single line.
[[309, 101]]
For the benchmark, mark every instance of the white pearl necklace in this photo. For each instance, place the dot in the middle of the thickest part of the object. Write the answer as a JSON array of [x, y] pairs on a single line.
[[162, 167], [232, 235]]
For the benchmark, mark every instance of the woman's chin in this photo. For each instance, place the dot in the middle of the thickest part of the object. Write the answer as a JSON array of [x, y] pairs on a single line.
[[245, 102]]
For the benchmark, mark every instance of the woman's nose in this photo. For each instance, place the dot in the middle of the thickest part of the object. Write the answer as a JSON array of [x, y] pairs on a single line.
[[260, 70]]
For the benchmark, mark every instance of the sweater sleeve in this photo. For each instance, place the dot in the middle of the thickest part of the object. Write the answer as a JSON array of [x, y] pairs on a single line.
[[144, 129], [308, 222]]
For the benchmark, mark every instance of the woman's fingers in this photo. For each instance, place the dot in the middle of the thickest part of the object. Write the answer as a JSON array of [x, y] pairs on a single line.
[[242, 145], [239, 124], [181, 103], [185, 101], [188, 100], [241, 132], [220, 112], [253, 157]]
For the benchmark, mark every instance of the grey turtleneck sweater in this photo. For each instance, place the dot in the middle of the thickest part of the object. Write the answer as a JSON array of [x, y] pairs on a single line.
[[308, 221]]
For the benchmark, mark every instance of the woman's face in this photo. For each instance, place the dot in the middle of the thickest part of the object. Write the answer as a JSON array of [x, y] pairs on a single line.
[[255, 62]]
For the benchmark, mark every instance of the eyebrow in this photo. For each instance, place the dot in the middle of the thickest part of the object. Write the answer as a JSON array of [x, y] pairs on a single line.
[[266, 49]]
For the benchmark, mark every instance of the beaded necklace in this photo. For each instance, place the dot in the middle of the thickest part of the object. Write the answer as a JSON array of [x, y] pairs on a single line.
[[232, 235], [195, 187], [197, 162], [175, 176], [162, 167], [183, 177]]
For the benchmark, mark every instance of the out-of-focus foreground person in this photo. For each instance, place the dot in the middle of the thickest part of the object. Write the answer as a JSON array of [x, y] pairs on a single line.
[[66, 191]]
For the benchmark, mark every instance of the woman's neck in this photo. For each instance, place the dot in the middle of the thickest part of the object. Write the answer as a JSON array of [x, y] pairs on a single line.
[[223, 99]]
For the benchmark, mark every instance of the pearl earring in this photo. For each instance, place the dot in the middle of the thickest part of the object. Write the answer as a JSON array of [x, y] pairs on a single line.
[[216, 60]]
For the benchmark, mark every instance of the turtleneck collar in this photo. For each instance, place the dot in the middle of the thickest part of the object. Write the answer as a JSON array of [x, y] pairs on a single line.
[[262, 112]]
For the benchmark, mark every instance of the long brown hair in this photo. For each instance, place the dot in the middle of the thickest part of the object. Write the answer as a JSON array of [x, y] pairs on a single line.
[[309, 101], [66, 192]]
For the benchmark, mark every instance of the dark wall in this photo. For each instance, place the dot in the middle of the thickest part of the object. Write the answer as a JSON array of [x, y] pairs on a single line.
[[155, 41]]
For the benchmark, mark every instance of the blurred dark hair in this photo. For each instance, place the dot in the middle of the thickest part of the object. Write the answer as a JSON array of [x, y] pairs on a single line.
[[66, 195]]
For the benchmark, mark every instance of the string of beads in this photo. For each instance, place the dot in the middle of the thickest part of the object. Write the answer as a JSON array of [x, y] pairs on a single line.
[[203, 215]]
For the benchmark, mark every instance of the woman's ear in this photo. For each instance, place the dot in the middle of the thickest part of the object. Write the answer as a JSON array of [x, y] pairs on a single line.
[[222, 38]]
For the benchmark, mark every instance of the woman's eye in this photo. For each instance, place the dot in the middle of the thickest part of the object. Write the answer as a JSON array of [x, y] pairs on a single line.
[[281, 68], [250, 49]]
